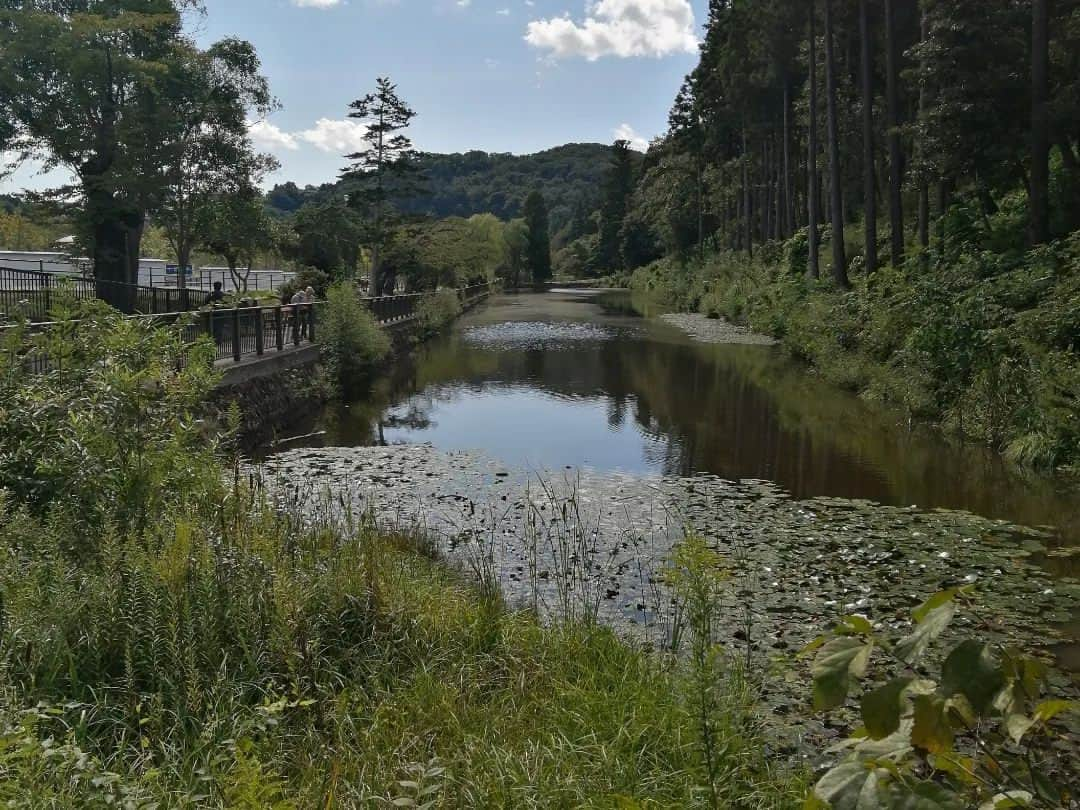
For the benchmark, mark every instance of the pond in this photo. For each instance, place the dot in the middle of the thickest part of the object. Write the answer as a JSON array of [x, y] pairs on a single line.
[[650, 430], [580, 379]]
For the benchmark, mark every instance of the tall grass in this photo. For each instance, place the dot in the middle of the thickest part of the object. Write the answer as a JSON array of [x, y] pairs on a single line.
[[202, 646]]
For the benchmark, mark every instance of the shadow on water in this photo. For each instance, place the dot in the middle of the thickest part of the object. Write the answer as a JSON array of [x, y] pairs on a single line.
[[580, 379]]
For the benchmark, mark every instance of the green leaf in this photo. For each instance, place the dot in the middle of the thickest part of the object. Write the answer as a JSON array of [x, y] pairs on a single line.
[[1049, 709], [851, 786], [855, 626], [1004, 801], [1018, 725], [922, 796], [937, 600], [932, 731], [882, 707], [971, 671], [911, 648], [836, 663]]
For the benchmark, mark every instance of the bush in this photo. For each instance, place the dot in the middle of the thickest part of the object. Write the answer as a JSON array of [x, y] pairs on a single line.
[[312, 277], [437, 310], [351, 340], [109, 433]]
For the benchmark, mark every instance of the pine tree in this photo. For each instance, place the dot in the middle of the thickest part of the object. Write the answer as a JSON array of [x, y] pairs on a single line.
[[618, 186], [382, 172], [538, 249], [836, 199]]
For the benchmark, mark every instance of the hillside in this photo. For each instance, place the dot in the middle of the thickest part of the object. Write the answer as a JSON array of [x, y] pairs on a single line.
[[480, 182]]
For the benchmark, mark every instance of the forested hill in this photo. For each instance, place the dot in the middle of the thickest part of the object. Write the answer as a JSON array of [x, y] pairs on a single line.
[[568, 176]]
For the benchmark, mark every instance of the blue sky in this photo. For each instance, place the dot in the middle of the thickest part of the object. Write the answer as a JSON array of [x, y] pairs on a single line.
[[499, 75]]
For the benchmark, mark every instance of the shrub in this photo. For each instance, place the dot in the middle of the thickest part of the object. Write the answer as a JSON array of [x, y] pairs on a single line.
[[109, 432], [351, 340], [317, 279], [437, 310]]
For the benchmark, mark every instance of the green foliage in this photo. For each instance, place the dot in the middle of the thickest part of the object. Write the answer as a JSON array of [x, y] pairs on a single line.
[[980, 736], [538, 245], [109, 432], [982, 341], [351, 340], [437, 311]]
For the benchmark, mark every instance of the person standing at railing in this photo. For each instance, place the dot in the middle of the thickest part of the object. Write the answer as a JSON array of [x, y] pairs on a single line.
[[216, 300]]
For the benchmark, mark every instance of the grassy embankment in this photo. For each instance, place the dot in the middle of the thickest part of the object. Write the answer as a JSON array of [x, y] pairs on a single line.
[[168, 638], [974, 333]]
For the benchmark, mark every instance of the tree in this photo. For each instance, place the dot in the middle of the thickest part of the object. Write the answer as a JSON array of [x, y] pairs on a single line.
[[618, 186], [1040, 121], [235, 225], [385, 170], [839, 269], [327, 237], [515, 244], [869, 184], [814, 268], [80, 86], [538, 250], [211, 154], [896, 153]]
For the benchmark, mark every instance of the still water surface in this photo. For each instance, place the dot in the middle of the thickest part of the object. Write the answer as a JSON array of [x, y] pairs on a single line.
[[580, 379]]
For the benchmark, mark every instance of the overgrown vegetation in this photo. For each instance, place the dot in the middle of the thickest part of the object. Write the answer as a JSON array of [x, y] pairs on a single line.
[[171, 638], [982, 340], [437, 311], [352, 341], [982, 735]]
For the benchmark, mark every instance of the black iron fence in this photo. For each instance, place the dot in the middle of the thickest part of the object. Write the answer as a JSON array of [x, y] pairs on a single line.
[[32, 294], [246, 332]]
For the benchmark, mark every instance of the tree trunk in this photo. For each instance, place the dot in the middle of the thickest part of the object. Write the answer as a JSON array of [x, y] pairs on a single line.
[[924, 180], [747, 198], [110, 224], [869, 184], [814, 263], [1040, 122], [788, 187], [839, 253], [896, 154]]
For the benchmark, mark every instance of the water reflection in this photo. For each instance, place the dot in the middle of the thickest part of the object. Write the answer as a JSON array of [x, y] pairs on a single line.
[[576, 379]]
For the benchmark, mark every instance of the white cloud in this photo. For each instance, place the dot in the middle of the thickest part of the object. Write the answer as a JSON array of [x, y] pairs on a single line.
[[625, 132], [464, 3], [267, 136], [503, 12], [316, 3], [621, 28], [328, 135], [335, 136]]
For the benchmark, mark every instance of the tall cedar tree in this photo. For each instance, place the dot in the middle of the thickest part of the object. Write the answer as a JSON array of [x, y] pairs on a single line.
[[839, 269], [869, 181], [896, 152], [618, 186], [812, 198], [382, 172], [538, 248], [1040, 121]]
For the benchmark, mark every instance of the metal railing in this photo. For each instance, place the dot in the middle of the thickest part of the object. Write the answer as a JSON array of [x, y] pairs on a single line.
[[32, 294], [245, 332]]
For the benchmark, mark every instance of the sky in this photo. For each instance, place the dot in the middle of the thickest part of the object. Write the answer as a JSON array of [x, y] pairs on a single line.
[[497, 75]]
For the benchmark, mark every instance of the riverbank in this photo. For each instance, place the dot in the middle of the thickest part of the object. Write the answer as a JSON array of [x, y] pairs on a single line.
[[982, 344]]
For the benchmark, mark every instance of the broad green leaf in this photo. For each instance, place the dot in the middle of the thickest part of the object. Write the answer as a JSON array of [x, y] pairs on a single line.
[[881, 708], [911, 648], [937, 600], [957, 766], [1049, 709], [836, 663], [893, 748], [1010, 799], [855, 625], [970, 671], [932, 731], [1018, 725], [850, 786]]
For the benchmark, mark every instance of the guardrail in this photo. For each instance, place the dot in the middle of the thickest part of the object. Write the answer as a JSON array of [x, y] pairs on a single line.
[[32, 294], [245, 332]]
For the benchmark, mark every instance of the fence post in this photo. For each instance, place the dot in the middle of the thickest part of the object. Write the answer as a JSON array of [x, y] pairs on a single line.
[[279, 328], [48, 296], [236, 334], [311, 323], [296, 315], [258, 330]]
